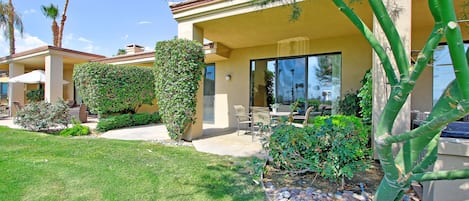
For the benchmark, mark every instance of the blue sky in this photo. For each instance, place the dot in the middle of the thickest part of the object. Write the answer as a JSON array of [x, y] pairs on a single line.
[[98, 26]]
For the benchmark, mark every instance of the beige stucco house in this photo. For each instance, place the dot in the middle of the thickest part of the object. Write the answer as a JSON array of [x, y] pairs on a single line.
[[58, 65], [319, 57]]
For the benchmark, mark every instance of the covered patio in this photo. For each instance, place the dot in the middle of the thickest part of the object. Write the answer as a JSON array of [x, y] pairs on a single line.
[[249, 42], [57, 64]]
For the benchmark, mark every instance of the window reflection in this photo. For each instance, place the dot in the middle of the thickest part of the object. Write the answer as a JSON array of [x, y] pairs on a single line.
[[310, 80], [443, 72]]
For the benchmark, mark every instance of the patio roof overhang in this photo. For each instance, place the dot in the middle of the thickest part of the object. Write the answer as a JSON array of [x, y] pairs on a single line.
[[240, 24], [141, 59], [34, 58]]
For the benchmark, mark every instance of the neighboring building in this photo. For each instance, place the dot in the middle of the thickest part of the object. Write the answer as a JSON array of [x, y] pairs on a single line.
[[58, 65], [269, 58]]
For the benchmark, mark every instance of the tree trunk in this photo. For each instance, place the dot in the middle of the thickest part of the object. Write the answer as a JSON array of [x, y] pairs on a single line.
[[11, 28], [62, 24], [55, 33]]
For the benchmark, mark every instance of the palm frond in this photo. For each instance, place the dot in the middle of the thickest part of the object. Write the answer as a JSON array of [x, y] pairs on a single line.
[[50, 11]]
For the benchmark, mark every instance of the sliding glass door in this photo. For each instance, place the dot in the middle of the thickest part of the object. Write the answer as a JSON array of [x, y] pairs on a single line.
[[310, 80], [291, 80]]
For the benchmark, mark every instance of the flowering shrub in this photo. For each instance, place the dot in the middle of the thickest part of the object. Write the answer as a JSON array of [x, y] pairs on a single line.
[[38, 116]]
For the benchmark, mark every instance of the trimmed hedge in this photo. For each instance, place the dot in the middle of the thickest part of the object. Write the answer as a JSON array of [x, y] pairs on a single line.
[[127, 120], [109, 89], [178, 70]]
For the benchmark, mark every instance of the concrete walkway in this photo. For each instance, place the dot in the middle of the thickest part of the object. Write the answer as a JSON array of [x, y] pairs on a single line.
[[215, 140]]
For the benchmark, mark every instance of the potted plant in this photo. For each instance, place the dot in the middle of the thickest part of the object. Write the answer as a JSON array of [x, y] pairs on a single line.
[[274, 107]]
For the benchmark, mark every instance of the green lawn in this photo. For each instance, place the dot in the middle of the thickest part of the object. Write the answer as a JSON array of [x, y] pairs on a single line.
[[43, 167]]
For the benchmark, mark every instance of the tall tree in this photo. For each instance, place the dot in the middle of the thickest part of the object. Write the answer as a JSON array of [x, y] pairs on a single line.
[[9, 20], [62, 24], [419, 147], [52, 12]]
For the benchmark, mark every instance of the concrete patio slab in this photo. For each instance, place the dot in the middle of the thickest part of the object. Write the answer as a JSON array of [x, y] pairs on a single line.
[[226, 141], [152, 132]]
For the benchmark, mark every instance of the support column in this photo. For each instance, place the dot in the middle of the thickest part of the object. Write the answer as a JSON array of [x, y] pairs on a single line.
[[54, 78], [189, 31], [15, 90], [402, 18]]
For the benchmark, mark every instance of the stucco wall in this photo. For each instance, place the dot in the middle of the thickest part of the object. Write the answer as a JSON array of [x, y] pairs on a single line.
[[68, 88], [452, 154], [356, 59]]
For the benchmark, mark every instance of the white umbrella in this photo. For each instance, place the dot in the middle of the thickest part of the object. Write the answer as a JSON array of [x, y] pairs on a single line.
[[33, 77]]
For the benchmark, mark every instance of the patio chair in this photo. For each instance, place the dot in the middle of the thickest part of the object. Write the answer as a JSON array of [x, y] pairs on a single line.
[[79, 113], [242, 117], [261, 120], [17, 105], [305, 118]]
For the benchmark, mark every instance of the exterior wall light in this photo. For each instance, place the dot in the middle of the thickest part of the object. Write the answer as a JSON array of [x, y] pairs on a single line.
[[227, 77]]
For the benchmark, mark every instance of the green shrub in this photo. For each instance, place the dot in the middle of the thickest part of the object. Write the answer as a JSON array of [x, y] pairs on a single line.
[[178, 70], [314, 103], [113, 122], [349, 105], [334, 147], [35, 95], [126, 120], [141, 119], [76, 130], [155, 117], [108, 89], [38, 116], [366, 102]]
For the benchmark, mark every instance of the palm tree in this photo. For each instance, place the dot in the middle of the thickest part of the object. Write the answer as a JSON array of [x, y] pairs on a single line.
[[8, 21], [62, 23], [52, 12], [3, 16]]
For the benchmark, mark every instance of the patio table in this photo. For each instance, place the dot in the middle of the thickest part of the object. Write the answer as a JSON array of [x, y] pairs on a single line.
[[282, 114]]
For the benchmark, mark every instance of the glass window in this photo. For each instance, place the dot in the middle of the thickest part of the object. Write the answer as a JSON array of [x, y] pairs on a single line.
[[443, 75], [209, 94], [4, 90], [291, 80], [443, 72], [324, 73], [311, 80]]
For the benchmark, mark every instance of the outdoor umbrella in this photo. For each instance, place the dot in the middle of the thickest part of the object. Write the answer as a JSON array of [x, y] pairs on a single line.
[[33, 77]]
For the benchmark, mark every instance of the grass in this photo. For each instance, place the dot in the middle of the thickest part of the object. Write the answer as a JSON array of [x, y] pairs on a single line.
[[36, 166]]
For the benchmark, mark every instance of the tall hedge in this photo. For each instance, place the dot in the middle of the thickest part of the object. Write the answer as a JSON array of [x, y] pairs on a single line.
[[178, 69], [108, 89]]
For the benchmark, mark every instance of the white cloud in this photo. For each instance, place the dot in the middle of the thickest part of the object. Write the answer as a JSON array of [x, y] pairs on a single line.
[[90, 48], [29, 11], [24, 43], [84, 40], [80, 43], [144, 22], [125, 37], [148, 49], [67, 39]]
